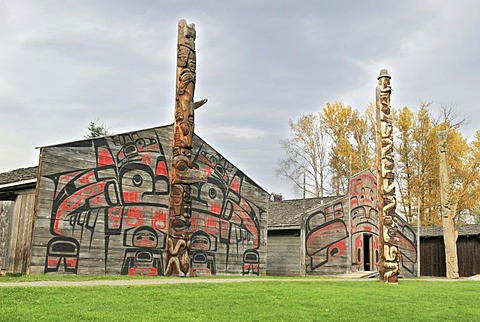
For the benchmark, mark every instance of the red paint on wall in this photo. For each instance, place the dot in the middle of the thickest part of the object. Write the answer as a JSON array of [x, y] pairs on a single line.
[[135, 217], [104, 158], [161, 169], [159, 220], [211, 226]]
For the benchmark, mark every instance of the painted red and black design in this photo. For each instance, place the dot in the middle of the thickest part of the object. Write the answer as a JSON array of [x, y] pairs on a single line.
[[330, 228], [226, 218], [120, 196], [105, 204]]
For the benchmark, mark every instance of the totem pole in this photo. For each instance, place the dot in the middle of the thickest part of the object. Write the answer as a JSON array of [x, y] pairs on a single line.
[[448, 210], [183, 175], [389, 253]]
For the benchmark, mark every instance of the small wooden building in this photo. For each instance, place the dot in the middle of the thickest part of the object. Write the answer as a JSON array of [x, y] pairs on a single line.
[[17, 199], [335, 235], [432, 251]]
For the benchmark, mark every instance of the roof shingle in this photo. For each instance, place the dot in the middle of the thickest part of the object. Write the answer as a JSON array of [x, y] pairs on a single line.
[[288, 213], [18, 175]]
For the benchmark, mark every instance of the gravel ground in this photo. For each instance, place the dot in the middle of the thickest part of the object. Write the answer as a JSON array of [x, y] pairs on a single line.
[[474, 277], [191, 280]]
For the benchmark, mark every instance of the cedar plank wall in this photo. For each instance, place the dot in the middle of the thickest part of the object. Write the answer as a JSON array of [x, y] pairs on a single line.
[[284, 252], [103, 205], [229, 218], [109, 199], [433, 256], [6, 209], [16, 219]]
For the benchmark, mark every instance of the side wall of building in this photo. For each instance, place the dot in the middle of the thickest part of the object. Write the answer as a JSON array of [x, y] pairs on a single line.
[[103, 208], [16, 222], [284, 251]]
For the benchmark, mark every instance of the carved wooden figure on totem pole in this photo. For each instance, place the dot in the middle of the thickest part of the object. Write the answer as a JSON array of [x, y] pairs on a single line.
[[389, 253], [178, 243]]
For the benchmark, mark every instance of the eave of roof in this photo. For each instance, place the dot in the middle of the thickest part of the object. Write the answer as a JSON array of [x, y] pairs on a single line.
[[18, 184]]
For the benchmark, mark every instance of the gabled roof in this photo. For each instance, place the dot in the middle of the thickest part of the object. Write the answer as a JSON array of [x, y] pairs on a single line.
[[288, 213], [18, 178]]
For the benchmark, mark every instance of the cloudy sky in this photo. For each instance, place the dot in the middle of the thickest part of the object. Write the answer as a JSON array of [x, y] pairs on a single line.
[[259, 63]]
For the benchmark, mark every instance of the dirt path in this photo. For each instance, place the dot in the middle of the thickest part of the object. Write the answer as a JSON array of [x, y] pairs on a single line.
[[192, 280], [162, 281]]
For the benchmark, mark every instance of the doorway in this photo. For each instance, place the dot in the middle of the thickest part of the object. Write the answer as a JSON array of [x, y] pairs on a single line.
[[367, 252]]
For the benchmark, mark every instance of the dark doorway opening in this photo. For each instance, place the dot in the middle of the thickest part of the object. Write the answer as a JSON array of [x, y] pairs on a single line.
[[367, 252]]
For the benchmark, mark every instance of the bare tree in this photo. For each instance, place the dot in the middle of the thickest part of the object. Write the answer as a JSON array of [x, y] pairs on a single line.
[[305, 155]]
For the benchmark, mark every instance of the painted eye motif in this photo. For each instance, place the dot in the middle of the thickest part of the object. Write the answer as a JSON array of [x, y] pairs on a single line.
[[212, 193], [137, 180]]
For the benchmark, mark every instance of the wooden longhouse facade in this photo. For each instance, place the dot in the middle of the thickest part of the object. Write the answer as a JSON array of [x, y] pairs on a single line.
[[287, 251], [332, 236], [103, 208]]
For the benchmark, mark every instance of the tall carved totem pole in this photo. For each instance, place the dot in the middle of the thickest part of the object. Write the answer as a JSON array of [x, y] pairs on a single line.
[[389, 253], [183, 176], [448, 209]]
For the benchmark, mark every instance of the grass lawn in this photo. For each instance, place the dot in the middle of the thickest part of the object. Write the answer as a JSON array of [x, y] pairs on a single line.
[[262, 300]]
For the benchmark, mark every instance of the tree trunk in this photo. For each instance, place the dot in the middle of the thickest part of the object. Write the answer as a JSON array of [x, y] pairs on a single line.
[[447, 210]]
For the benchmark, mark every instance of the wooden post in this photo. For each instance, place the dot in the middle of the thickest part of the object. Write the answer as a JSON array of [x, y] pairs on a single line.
[[178, 243], [447, 210], [389, 253]]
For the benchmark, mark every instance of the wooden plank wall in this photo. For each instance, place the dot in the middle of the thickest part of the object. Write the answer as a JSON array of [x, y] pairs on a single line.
[[284, 253], [432, 252], [432, 257], [229, 216], [103, 204], [468, 248], [103, 207], [6, 211], [17, 250]]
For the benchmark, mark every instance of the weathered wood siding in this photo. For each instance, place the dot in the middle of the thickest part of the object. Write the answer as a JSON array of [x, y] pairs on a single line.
[[6, 211], [103, 204], [103, 207], [229, 218], [432, 256], [326, 242], [284, 256], [342, 235], [16, 221]]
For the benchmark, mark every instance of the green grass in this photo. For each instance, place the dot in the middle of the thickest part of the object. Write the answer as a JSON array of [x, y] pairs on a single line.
[[69, 277], [410, 300], [76, 278]]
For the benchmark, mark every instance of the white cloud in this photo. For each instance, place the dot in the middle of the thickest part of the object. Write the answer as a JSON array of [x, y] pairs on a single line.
[[235, 132]]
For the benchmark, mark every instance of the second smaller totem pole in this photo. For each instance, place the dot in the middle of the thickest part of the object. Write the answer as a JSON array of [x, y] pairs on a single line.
[[389, 253]]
